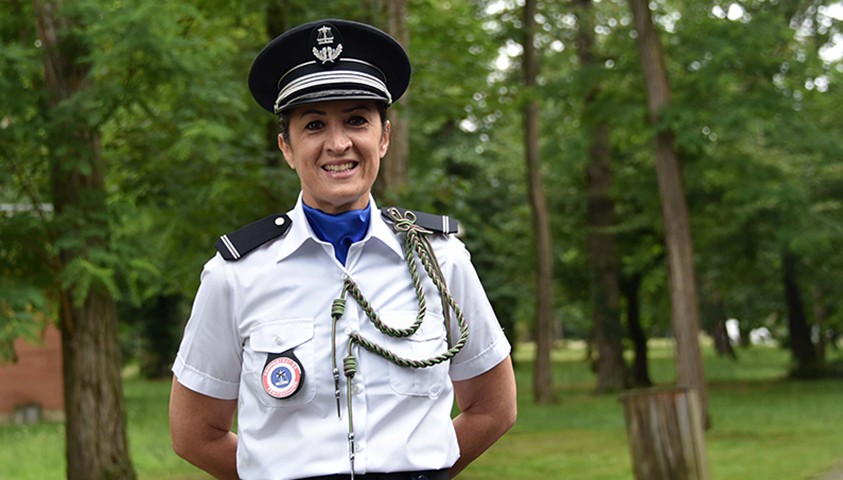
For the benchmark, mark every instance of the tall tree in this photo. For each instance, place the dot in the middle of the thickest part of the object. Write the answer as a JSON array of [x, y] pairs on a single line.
[[677, 234], [603, 260], [95, 428], [276, 22], [631, 287], [542, 373], [808, 363], [393, 176]]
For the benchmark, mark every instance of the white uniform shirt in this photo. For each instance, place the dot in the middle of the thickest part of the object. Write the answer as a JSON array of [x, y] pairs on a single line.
[[279, 298]]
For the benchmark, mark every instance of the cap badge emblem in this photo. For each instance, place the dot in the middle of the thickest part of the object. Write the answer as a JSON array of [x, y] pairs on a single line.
[[327, 53], [325, 37]]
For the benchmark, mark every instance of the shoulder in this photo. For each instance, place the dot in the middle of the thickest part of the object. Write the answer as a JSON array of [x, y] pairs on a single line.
[[442, 233], [239, 243], [399, 218]]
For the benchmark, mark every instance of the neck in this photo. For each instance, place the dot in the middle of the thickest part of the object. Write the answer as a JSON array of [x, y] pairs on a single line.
[[341, 229]]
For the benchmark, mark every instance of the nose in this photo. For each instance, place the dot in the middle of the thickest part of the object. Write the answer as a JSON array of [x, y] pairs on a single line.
[[338, 141]]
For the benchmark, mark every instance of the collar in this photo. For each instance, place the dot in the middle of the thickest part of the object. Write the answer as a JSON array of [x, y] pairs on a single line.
[[340, 230], [300, 232]]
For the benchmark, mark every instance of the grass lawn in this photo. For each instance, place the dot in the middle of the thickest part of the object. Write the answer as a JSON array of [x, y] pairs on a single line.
[[763, 426]]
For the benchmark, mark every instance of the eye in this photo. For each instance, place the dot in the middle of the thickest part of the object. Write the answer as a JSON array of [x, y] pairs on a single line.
[[314, 125], [358, 120]]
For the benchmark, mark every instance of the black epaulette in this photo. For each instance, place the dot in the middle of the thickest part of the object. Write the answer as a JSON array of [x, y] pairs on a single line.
[[238, 244], [435, 223]]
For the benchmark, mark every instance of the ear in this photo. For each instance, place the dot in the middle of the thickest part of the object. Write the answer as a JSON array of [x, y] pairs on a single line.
[[384, 146], [287, 151]]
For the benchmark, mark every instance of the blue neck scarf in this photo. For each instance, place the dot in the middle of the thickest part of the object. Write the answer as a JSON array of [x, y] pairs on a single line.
[[340, 230]]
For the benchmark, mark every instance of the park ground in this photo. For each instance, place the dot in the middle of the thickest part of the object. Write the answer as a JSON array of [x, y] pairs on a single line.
[[764, 426]]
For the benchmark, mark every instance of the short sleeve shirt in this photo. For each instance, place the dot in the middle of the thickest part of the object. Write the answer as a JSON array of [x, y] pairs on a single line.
[[278, 298]]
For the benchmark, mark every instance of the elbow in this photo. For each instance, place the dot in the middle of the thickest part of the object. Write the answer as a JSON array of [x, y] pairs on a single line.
[[510, 407], [179, 444], [186, 444], [506, 414], [511, 416], [183, 439]]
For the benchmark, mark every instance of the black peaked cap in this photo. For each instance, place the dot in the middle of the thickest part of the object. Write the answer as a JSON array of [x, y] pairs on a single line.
[[328, 60]]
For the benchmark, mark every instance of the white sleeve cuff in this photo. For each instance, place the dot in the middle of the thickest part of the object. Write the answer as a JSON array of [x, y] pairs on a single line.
[[201, 383], [483, 362]]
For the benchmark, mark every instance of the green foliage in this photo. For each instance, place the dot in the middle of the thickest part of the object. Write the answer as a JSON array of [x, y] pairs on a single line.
[[24, 280], [751, 154], [22, 311]]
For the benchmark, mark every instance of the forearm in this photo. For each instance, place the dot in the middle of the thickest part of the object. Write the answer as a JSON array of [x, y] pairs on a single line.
[[475, 434], [217, 457], [487, 410], [200, 428]]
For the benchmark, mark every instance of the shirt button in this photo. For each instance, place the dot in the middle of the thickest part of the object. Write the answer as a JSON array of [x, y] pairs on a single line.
[[278, 340], [348, 330], [279, 221]]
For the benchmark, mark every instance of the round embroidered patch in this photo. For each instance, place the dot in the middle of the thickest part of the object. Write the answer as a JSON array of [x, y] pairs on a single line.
[[282, 377]]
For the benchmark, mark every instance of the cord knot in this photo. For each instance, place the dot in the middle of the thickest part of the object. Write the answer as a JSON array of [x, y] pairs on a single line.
[[349, 366], [337, 308], [406, 222]]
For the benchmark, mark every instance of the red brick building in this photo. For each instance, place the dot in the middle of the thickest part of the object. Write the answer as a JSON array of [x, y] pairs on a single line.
[[34, 384]]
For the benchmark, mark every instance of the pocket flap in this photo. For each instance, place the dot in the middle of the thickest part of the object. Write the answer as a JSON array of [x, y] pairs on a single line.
[[279, 337]]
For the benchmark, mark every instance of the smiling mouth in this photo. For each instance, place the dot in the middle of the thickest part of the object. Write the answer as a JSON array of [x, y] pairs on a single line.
[[339, 167]]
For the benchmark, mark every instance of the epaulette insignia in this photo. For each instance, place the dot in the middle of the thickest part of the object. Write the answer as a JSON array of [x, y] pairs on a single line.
[[238, 244], [435, 223]]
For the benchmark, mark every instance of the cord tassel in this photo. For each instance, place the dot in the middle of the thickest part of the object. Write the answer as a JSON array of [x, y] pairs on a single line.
[[350, 368], [337, 311]]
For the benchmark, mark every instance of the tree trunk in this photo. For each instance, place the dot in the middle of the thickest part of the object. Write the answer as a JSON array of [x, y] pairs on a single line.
[[801, 347], [543, 372], [393, 175], [603, 261], [722, 342], [96, 444], [665, 434], [678, 244], [95, 430], [276, 23], [159, 338], [819, 322], [715, 315], [631, 288]]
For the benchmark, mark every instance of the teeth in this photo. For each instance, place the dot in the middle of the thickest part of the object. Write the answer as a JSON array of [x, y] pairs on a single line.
[[342, 167]]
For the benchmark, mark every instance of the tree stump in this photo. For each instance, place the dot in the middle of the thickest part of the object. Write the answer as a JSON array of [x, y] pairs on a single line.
[[666, 435]]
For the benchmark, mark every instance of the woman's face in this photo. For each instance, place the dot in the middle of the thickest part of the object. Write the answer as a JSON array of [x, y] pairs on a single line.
[[336, 147]]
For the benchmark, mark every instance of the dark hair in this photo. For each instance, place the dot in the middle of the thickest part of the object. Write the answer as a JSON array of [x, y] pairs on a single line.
[[284, 121]]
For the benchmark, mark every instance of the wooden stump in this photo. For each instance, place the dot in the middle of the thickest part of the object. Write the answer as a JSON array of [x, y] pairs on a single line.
[[666, 435]]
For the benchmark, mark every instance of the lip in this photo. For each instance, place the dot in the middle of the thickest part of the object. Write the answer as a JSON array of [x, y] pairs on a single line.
[[340, 168]]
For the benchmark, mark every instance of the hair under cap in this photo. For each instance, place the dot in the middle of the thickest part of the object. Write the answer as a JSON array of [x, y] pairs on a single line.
[[329, 60]]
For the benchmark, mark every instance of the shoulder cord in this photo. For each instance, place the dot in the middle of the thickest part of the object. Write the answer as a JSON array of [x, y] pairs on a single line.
[[416, 245]]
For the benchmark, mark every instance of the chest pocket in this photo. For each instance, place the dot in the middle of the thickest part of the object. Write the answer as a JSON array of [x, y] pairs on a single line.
[[278, 337], [429, 341]]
